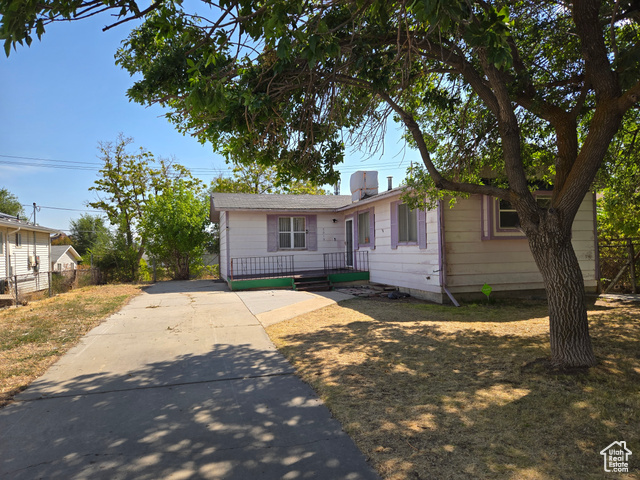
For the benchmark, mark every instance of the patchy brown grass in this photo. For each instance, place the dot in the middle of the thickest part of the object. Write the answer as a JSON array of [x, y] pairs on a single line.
[[33, 337], [435, 392]]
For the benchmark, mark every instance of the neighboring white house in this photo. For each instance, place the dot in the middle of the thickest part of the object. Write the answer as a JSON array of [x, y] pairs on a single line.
[[435, 254], [25, 252], [64, 257]]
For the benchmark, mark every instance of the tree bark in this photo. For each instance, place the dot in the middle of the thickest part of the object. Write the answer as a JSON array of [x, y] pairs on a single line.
[[564, 284]]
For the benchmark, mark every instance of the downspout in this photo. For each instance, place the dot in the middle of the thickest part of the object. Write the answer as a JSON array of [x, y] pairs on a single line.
[[442, 256]]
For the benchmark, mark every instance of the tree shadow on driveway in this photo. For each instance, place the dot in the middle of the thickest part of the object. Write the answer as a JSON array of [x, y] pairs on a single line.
[[158, 422]]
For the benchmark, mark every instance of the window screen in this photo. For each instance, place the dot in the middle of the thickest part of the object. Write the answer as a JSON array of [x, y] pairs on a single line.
[[508, 217], [363, 228], [407, 224], [292, 232]]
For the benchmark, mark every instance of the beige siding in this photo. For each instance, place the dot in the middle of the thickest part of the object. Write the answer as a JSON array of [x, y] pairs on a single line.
[[505, 264], [407, 266], [34, 244], [3, 256]]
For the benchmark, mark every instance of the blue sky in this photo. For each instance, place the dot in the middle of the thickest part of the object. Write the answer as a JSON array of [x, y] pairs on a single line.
[[61, 96]]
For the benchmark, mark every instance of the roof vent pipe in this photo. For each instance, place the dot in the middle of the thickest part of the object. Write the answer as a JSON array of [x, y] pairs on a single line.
[[389, 183]]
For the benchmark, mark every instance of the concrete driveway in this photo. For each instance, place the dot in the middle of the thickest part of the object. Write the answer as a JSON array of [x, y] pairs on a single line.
[[182, 383]]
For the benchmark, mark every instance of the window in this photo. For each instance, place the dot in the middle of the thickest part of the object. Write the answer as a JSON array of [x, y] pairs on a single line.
[[507, 215], [408, 227], [544, 201], [407, 224], [500, 219], [292, 232], [18, 238], [363, 229], [1, 242]]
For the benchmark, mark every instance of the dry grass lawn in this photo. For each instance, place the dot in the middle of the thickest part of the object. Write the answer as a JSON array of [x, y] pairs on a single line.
[[434, 392], [33, 337]]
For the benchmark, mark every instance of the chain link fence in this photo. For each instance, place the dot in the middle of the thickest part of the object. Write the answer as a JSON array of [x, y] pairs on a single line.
[[20, 289], [620, 264]]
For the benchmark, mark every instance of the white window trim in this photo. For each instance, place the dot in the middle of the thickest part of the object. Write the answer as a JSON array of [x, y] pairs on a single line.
[[292, 233]]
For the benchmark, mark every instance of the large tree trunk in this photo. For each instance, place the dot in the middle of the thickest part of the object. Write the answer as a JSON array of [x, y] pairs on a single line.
[[568, 324]]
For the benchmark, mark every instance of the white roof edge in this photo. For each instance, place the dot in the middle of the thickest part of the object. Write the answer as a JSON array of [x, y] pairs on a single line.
[[284, 209], [69, 247], [27, 226], [374, 198]]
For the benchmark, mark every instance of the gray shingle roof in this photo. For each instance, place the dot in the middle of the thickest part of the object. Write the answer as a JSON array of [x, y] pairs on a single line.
[[58, 250], [249, 201]]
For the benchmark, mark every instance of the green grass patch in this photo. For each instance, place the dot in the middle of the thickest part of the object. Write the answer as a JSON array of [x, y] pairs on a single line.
[[35, 336]]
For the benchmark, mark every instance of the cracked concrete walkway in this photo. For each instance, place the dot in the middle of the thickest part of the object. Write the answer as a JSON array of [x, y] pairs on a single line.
[[182, 383]]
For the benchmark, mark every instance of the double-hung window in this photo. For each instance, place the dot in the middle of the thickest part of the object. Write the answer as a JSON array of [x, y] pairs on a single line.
[[407, 224], [18, 239], [363, 228], [408, 227], [507, 215], [292, 232], [500, 218]]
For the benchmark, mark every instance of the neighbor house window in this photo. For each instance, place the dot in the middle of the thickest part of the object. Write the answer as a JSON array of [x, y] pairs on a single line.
[[407, 225], [1, 242], [363, 228], [292, 232], [18, 239]]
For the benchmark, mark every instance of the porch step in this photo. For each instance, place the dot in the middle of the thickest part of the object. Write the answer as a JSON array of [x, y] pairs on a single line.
[[313, 284]]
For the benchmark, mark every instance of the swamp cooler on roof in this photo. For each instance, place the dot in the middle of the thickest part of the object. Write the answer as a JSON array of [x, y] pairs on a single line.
[[363, 184]]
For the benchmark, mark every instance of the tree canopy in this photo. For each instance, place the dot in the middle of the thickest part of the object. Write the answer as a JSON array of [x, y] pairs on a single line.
[[175, 225], [257, 179], [492, 95], [9, 203], [86, 231]]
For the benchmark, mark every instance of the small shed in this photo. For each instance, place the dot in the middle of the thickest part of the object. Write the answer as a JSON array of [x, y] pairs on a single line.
[[64, 257]]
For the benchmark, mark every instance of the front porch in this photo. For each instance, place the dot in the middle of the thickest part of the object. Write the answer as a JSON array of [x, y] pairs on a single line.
[[298, 273]]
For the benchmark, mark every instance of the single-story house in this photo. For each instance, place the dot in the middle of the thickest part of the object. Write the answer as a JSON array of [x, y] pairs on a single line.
[[25, 253], [442, 254], [64, 257]]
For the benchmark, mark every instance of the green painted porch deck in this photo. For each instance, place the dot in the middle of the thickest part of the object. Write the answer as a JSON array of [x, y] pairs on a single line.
[[247, 282]]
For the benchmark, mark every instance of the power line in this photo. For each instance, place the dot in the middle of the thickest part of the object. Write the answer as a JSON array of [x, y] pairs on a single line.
[[48, 160], [67, 209]]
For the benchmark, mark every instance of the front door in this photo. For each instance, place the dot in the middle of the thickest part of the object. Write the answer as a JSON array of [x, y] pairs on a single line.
[[348, 235]]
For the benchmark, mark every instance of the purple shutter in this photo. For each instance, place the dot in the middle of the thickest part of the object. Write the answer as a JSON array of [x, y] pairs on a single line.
[[372, 228], [272, 233], [422, 229], [394, 224], [312, 232]]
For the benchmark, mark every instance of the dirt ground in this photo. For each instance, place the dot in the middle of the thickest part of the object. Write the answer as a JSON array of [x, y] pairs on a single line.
[[437, 392]]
